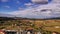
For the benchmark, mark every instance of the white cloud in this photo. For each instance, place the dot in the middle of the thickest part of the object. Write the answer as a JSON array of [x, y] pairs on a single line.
[[40, 1], [4, 0], [56, 1], [41, 11], [28, 4], [7, 6], [19, 8]]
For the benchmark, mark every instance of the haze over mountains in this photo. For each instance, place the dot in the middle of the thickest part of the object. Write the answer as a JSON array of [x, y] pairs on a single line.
[[6, 15], [14, 17]]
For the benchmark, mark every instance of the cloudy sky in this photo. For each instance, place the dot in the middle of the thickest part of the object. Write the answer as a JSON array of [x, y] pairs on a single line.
[[31, 8]]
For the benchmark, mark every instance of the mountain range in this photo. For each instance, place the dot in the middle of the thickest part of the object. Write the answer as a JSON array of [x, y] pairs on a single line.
[[12, 16]]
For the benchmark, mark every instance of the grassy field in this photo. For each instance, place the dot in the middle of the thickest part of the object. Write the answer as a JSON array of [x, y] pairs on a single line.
[[52, 25]]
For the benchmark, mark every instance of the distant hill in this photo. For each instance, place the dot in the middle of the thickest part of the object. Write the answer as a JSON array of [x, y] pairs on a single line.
[[15, 18], [53, 18]]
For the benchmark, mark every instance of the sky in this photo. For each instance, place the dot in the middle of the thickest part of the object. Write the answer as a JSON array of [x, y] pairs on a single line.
[[30, 8], [13, 5]]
